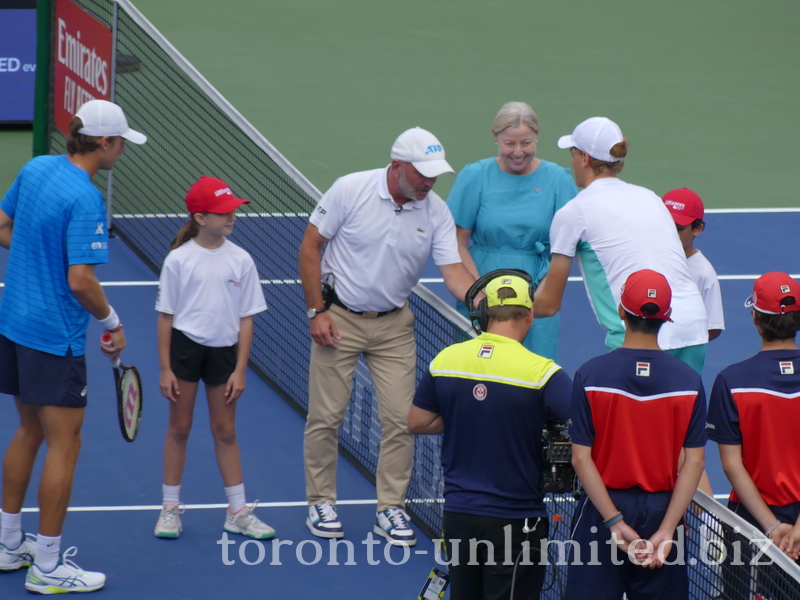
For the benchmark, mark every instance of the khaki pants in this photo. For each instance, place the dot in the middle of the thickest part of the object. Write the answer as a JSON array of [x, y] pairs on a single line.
[[390, 351]]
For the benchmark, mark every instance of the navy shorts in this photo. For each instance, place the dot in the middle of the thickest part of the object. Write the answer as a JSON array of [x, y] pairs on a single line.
[[605, 580], [21, 370], [192, 362]]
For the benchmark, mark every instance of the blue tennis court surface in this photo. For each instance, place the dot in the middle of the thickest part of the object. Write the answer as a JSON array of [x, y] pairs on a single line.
[[117, 489]]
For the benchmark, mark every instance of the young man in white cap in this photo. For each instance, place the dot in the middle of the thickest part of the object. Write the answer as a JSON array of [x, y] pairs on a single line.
[[53, 221], [380, 227], [615, 228], [490, 397], [633, 411], [754, 414]]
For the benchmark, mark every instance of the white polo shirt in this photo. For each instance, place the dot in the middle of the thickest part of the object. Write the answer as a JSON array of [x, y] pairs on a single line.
[[614, 228], [378, 250], [708, 283], [209, 291]]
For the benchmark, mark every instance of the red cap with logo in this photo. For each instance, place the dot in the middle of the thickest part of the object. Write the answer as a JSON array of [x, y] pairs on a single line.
[[212, 195], [685, 205], [647, 287], [771, 294]]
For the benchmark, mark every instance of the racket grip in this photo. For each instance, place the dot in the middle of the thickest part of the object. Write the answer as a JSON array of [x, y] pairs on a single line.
[[105, 339]]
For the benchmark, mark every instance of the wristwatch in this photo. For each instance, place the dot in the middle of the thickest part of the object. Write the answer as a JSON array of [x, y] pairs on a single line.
[[313, 312]]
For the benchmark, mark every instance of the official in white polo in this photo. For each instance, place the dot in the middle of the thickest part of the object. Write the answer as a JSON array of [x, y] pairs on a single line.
[[380, 227]]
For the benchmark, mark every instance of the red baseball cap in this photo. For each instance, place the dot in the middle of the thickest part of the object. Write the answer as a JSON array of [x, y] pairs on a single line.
[[647, 287], [685, 205], [212, 195], [770, 292]]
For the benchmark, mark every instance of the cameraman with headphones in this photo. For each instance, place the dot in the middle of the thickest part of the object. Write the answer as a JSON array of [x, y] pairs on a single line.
[[490, 397]]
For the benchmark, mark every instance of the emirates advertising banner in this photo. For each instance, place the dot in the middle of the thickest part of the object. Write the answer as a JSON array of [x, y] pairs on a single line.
[[82, 61]]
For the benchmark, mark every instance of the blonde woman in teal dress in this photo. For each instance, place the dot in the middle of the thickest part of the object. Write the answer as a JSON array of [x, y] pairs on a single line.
[[505, 204]]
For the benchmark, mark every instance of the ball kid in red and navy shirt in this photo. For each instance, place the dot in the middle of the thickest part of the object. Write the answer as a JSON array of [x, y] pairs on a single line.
[[633, 411], [754, 416]]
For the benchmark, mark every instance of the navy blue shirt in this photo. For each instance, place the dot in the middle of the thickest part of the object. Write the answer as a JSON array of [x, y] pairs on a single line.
[[756, 404], [637, 409], [493, 396]]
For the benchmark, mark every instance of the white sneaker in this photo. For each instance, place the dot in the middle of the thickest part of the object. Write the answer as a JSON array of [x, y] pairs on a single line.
[[247, 524], [169, 522], [21, 556], [323, 521], [392, 524], [66, 577]]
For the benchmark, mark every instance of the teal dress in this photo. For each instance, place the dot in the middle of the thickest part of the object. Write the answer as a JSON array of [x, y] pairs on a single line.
[[510, 216]]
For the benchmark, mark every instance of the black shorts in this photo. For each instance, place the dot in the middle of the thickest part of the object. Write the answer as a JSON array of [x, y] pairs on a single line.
[[191, 361], [40, 378]]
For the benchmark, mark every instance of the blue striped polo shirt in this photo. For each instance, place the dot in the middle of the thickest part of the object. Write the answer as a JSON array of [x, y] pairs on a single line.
[[59, 221]]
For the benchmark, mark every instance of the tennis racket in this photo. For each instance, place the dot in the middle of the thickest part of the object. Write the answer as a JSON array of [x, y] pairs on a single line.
[[128, 385]]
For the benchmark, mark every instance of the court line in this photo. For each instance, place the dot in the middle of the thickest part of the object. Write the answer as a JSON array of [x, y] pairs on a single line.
[[424, 280], [154, 507], [140, 507], [716, 211], [266, 215], [579, 278]]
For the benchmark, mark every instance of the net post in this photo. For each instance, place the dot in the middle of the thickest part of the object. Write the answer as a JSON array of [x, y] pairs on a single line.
[[41, 103], [113, 97]]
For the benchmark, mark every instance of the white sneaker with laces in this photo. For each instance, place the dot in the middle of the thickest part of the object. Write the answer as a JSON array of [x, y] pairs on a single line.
[[169, 521], [323, 521], [66, 577], [247, 524], [392, 524], [21, 556]]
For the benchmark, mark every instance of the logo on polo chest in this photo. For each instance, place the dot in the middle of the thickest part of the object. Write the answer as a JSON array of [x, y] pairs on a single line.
[[480, 392]]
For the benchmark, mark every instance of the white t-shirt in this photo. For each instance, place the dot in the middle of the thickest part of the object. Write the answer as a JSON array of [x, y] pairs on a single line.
[[708, 283], [209, 291], [378, 250], [615, 228]]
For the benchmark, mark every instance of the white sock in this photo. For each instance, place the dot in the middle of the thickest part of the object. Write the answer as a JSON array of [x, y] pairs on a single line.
[[236, 497], [47, 551], [11, 530], [171, 494]]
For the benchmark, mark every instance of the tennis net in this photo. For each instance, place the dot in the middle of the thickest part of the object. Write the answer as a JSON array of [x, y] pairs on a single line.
[[193, 131]]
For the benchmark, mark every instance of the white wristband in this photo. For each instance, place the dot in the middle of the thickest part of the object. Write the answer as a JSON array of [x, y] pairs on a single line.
[[111, 321]]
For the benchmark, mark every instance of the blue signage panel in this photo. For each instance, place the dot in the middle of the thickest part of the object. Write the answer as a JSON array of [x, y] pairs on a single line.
[[17, 63]]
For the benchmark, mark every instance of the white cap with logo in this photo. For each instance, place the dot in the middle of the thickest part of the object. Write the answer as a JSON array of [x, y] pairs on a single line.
[[596, 137], [103, 118], [423, 150]]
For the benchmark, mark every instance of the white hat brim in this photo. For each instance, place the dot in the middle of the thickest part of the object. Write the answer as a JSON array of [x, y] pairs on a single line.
[[566, 141], [433, 168], [134, 136]]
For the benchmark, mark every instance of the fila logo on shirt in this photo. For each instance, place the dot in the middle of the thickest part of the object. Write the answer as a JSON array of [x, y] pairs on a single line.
[[643, 369], [480, 391], [486, 351], [787, 367], [99, 230]]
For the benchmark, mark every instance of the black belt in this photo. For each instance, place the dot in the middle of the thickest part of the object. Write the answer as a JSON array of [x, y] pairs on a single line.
[[363, 313]]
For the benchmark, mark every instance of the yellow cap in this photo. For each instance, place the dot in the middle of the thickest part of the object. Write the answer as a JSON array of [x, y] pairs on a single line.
[[518, 284]]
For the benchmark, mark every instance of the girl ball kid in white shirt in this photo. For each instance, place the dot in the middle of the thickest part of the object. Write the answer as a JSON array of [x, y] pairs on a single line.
[[208, 292]]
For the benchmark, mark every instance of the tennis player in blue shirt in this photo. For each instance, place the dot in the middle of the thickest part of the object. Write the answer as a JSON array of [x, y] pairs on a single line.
[[53, 221]]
